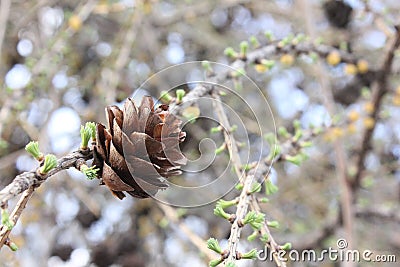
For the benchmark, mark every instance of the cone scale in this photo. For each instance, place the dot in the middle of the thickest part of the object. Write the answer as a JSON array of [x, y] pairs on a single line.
[[138, 149]]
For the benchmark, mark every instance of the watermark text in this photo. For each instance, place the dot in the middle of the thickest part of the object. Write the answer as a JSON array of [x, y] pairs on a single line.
[[340, 253]]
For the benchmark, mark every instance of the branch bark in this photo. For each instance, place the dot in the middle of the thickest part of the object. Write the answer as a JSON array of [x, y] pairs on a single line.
[[33, 178], [4, 232], [379, 90]]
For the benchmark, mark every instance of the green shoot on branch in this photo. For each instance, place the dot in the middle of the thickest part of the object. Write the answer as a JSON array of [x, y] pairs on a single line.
[[5, 219], [50, 162], [165, 96], [89, 172], [33, 148], [213, 244], [88, 131], [180, 93], [251, 255]]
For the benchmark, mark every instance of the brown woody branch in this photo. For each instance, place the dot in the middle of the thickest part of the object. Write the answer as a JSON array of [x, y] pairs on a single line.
[[271, 243], [382, 213], [245, 199], [380, 89], [317, 237], [4, 231], [27, 182], [241, 211], [34, 178], [172, 216], [266, 51]]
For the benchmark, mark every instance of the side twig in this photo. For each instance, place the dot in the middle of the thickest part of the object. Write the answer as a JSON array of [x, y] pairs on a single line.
[[4, 231], [346, 196], [271, 243], [27, 182], [193, 237], [241, 211], [382, 213], [379, 91], [245, 199], [112, 75]]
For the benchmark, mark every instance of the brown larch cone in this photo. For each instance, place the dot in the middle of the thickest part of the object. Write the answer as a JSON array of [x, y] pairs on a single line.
[[139, 147]]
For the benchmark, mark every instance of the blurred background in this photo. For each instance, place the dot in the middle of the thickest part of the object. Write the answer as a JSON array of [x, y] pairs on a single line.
[[63, 62]]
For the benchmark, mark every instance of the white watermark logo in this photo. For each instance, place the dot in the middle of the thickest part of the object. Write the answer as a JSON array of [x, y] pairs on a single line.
[[340, 253]]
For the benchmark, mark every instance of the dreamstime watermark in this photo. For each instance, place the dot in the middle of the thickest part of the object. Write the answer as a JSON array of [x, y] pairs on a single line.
[[340, 253]]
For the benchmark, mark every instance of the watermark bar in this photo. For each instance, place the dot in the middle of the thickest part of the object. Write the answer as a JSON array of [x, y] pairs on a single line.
[[340, 254]]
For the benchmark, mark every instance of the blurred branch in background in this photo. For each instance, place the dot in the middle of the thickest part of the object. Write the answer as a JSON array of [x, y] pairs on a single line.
[[110, 74], [380, 88], [199, 242], [4, 12], [340, 155]]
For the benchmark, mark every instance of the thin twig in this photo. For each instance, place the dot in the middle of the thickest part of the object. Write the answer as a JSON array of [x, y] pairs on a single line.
[[267, 51], [316, 238], [201, 9], [288, 147], [245, 199], [247, 181], [58, 44], [383, 213], [32, 178], [55, 46], [111, 75], [241, 212], [228, 137], [271, 243], [346, 196], [199, 242], [379, 91], [4, 231], [27, 181], [380, 20]]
